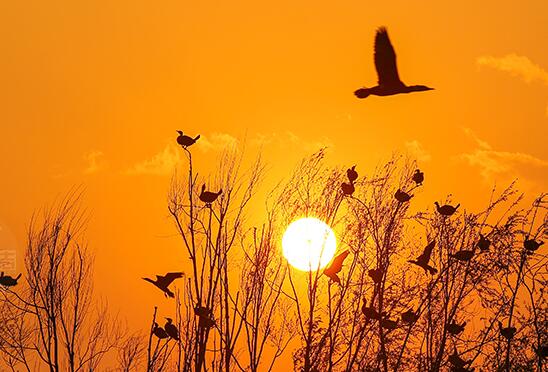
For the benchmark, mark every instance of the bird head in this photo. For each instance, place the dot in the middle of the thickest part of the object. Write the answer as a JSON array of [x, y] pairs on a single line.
[[203, 187], [180, 132], [169, 320]]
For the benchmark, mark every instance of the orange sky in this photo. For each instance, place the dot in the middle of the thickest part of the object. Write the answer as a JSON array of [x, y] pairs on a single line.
[[91, 93]]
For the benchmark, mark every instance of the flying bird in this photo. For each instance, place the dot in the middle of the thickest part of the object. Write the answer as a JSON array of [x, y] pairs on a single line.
[[446, 210], [389, 82], [484, 243], [352, 174], [8, 281], [186, 141], [418, 177], [402, 196], [171, 329], [209, 197], [507, 332], [336, 266], [424, 258], [159, 332], [454, 328], [163, 282]]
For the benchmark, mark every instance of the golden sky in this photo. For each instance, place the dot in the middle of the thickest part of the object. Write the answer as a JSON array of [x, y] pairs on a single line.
[[91, 93]]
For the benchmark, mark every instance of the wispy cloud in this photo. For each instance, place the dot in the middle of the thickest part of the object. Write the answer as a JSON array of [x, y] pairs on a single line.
[[160, 164], [289, 139], [95, 162], [416, 150], [519, 66], [492, 162], [217, 141]]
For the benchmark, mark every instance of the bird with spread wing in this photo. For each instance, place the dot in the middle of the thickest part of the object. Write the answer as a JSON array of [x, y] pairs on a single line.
[[163, 282], [336, 266], [385, 62]]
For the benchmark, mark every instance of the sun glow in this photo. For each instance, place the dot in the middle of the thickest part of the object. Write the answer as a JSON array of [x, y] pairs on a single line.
[[309, 244]]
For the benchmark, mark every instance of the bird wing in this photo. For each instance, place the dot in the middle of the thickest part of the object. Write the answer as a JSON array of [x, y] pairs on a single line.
[[428, 251], [385, 59], [169, 277], [336, 265]]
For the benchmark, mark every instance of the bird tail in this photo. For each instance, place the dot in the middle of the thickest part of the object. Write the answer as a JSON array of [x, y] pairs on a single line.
[[18, 276], [432, 270], [169, 293], [457, 207], [362, 93], [197, 138], [220, 192]]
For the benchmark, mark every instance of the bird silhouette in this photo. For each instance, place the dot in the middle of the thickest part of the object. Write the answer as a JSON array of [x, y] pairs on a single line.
[[348, 188], [456, 360], [402, 196], [541, 351], [389, 82], [446, 210], [507, 332], [409, 316], [171, 329], [159, 332], [352, 174], [163, 282], [370, 312], [463, 255], [389, 323], [454, 328], [424, 258], [205, 316], [484, 243], [209, 197], [186, 141], [376, 274], [418, 177], [532, 245], [336, 266], [8, 281]]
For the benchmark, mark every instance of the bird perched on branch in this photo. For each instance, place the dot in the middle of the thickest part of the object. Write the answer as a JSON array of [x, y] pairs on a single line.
[[463, 255], [370, 312], [507, 332], [457, 361], [348, 188], [376, 274], [163, 282], [389, 82], [159, 331], [424, 258], [186, 141], [336, 266], [532, 245], [418, 177], [446, 210], [409, 316], [389, 323], [541, 351], [8, 281], [171, 329], [205, 316], [484, 243], [454, 328], [402, 196], [209, 197], [352, 174]]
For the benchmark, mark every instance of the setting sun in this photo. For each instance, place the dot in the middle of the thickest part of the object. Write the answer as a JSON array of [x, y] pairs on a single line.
[[309, 244]]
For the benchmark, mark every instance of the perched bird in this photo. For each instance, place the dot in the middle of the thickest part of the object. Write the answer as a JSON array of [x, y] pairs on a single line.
[[389, 323], [402, 196], [507, 332], [541, 351], [463, 255], [205, 316], [370, 312], [424, 258], [8, 281], [163, 282], [389, 82], [336, 266], [376, 274], [409, 316], [456, 360], [171, 329], [484, 243], [418, 177], [352, 174], [348, 188], [159, 332], [454, 328], [209, 197], [186, 141], [532, 245], [446, 210]]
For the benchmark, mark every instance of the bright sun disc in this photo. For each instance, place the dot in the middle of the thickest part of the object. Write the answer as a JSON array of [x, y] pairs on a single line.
[[309, 244]]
